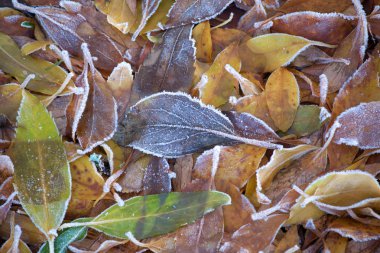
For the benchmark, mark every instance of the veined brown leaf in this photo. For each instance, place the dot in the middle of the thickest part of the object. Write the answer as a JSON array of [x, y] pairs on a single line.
[[169, 67], [268, 52], [49, 76], [152, 215], [41, 175], [181, 121], [185, 12], [359, 126]]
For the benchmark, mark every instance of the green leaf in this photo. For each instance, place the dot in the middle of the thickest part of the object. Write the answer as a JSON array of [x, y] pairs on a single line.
[[41, 170], [66, 237], [309, 118], [152, 215], [48, 78]]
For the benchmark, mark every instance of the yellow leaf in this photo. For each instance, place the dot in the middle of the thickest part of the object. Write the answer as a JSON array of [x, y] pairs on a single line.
[[337, 191], [220, 85], [34, 46], [283, 98], [268, 52], [203, 43]]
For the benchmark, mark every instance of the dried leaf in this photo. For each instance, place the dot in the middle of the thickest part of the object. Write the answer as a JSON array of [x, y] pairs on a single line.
[[169, 67], [283, 98], [268, 52], [10, 99], [358, 126], [355, 230], [156, 178], [219, 85], [48, 76], [335, 191], [325, 6], [185, 12], [278, 161], [159, 120], [151, 215], [120, 83], [149, 7], [329, 28], [203, 42], [40, 164]]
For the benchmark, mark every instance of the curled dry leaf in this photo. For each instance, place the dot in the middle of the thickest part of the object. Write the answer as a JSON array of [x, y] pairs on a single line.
[[355, 230], [334, 192]]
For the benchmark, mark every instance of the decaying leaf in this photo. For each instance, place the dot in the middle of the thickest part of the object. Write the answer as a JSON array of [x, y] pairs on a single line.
[[40, 164]]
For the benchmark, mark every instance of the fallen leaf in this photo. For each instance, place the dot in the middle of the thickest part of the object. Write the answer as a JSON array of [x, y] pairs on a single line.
[[315, 5], [355, 230], [167, 211], [157, 179], [185, 12], [268, 52], [358, 126], [203, 42], [169, 67], [164, 112], [48, 77], [335, 191], [218, 84], [40, 165], [282, 95]]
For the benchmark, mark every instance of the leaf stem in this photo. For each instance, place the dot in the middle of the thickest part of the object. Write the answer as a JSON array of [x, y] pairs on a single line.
[[51, 244]]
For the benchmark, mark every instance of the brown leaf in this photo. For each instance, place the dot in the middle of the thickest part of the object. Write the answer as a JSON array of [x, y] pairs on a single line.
[[355, 230], [324, 6], [353, 48], [185, 12], [358, 126], [329, 28], [169, 66], [157, 179], [255, 236]]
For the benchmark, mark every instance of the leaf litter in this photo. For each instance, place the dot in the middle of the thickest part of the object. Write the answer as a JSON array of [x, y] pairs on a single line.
[[189, 126]]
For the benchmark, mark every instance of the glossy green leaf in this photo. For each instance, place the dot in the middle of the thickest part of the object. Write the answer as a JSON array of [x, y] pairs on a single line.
[[66, 237], [152, 215], [49, 76], [41, 170]]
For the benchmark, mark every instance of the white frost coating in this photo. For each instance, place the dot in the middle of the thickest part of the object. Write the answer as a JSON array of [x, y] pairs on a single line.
[[233, 100], [134, 240], [215, 162], [144, 19], [117, 187], [264, 215], [82, 103], [262, 122], [323, 88], [7, 162], [27, 80], [77, 90], [310, 225], [110, 180], [87, 57], [293, 249], [317, 15], [244, 82], [64, 55], [16, 239], [70, 6], [324, 114], [362, 17], [349, 235], [119, 200], [201, 83], [264, 25], [172, 175], [195, 21], [91, 147], [60, 89], [104, 247]]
